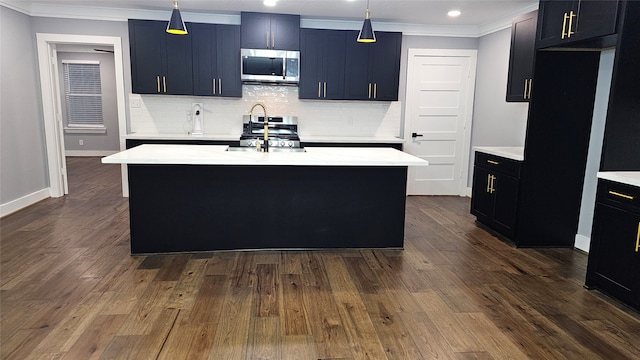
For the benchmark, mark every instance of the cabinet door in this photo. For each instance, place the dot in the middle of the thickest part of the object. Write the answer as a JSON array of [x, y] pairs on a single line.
[[228, 61], [552, 23], [482, 199], [614, 260], [334, 64], [591, 19], [285, 32], [179, 68], [385, 66], [357, 85], [204, 59], [523, 38], [256, 30], [595, 19], [311, 64], [506, 204], [147, 49]]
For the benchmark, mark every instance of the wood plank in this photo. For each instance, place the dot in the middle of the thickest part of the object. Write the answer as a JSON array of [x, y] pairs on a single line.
[[231, 337], [264, 339], [293, 312], [266, 297]]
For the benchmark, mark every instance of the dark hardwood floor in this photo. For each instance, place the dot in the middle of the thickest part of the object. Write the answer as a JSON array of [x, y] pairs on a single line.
[[70, 290]]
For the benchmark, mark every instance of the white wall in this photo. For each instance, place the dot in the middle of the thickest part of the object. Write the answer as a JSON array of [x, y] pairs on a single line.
[[605, 73], [496, 122], [23, 169]]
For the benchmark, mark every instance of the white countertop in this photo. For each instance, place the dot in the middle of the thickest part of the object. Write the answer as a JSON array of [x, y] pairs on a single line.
[[625, 177], [303, 138], [217, 155], [513, 153]]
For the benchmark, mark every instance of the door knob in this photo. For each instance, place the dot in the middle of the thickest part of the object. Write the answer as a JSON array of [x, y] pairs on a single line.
[[413, 135]]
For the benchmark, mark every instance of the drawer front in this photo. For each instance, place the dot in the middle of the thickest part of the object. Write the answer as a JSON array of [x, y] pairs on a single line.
[[619, 195], [498, 164]]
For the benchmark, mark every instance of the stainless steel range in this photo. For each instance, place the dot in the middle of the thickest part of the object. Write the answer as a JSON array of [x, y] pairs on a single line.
[[282, 132]]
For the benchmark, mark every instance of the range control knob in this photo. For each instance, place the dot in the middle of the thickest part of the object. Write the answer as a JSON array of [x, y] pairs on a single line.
[[290, 144], [282, 143]]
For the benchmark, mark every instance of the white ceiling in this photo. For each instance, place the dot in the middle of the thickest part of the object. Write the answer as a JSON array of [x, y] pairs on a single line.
[[420, 12]]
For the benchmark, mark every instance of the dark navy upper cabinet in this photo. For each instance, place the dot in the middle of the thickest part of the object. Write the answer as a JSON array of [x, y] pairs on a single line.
[[523, 38], [373, 69], [216, 60], [160, 63], [562, 23], [270, 31], [322, 64]]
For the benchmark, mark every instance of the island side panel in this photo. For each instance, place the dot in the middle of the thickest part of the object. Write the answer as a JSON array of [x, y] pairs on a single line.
[[180, 208]]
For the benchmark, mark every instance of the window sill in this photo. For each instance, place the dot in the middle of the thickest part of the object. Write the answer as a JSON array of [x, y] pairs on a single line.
[[85, 130]]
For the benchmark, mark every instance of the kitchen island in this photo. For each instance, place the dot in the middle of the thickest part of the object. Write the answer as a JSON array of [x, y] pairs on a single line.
[[185, 198]]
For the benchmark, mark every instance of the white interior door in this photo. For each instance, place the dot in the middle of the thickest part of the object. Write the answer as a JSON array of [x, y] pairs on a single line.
[[440, 89]]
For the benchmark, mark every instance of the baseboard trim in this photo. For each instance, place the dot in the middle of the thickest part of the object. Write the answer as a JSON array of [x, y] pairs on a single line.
[[468, 192], [582, 243], [23, 202], [89, 152]]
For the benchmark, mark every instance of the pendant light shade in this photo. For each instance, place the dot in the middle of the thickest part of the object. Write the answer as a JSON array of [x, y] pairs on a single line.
[[367, 35], [176, 25]]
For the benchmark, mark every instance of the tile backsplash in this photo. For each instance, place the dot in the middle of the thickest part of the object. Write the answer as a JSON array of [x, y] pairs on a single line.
[[165, 114]]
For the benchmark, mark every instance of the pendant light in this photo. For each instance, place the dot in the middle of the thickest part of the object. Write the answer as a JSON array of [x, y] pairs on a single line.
[[367, 35], [176, 25]]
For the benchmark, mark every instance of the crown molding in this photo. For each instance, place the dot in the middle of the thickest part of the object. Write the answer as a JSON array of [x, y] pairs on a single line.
[[113, 14]]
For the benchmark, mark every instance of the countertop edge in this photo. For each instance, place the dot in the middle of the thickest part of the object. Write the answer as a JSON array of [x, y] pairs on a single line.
[[509, 152], [624, 177], [217, 155], [223, 137]]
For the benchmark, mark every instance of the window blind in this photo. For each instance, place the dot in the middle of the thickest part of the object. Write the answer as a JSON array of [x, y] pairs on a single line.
[[83, 94]]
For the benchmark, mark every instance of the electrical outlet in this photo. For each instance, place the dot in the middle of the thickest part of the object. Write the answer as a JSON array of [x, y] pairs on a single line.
[[134, 102], [81, 142]]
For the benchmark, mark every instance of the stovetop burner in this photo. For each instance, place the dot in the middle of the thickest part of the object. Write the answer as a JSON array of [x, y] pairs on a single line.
[[283, 131]]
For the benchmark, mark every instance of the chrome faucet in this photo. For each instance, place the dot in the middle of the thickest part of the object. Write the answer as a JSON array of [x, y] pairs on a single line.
[[266, 124]]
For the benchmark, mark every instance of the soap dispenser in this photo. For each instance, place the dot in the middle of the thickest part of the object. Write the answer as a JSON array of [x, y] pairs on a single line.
[[197, 119]]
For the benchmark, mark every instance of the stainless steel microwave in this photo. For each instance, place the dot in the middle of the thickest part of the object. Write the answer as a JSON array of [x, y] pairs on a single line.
[[270, 66]]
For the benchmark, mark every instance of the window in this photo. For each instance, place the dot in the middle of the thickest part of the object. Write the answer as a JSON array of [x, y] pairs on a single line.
[[83, 97]]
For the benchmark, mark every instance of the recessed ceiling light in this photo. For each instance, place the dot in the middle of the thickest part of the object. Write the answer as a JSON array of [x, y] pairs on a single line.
[[454, 13], [269, 2]]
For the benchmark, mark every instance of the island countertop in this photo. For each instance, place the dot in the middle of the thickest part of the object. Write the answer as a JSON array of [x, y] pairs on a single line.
[[218, 155]]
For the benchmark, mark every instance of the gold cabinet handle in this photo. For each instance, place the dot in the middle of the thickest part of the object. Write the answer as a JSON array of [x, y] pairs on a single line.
[[369, 90], [628, 197], [319, 89], [214, 86], [325, 89], [570, 32], [530, 86], [526, 81], [220, 86], [493, 162], [564, 25], [638, 238], [267, 39], [164, 81], [375, 90], [158, 80], [273, 39], [488, 182], [492, 184]]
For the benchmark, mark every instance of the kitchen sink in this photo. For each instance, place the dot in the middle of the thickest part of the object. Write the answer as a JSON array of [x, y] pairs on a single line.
[[273, 149]]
